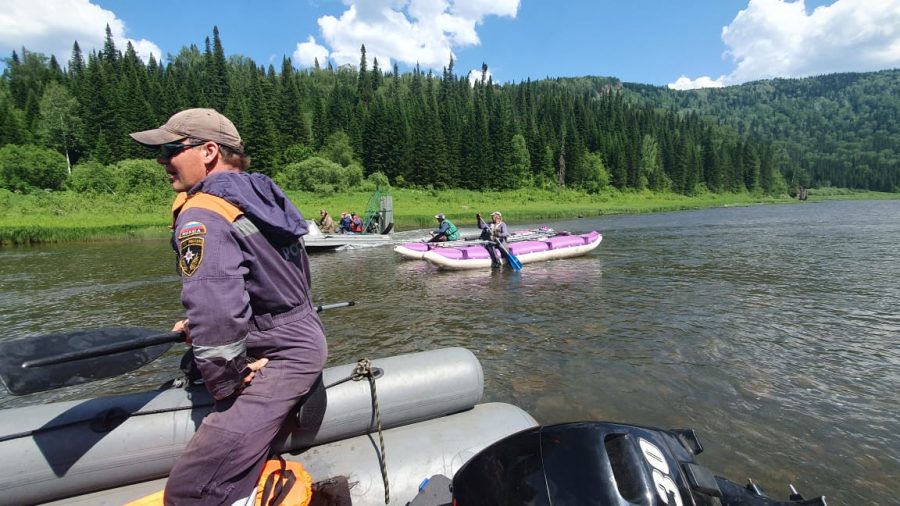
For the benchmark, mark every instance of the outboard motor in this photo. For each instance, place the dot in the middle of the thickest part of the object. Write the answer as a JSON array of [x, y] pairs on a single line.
[[588, 463]]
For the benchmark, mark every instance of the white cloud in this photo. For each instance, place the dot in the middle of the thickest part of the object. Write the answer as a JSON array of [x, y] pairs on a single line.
[[308, 52], [686, 83], [475, 75], [423, 32], [777, 38], [51, 27]]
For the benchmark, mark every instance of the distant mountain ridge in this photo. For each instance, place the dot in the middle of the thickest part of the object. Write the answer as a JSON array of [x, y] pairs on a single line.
[[830, 130], [439, 130]]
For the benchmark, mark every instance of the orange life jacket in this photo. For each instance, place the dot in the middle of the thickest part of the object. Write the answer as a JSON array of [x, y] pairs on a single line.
[[281, 483]]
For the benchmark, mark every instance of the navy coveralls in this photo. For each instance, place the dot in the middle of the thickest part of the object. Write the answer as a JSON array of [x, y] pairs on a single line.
[[246, 289]]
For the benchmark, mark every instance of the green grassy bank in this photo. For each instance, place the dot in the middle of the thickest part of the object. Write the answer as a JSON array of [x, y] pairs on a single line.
[[69, 216]]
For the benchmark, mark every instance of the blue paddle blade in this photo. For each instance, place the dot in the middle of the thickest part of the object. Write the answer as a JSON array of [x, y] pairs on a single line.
[[514, 261], [511, 259]]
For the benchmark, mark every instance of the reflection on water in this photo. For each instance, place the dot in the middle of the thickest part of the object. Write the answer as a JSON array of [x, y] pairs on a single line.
[[771, 330]]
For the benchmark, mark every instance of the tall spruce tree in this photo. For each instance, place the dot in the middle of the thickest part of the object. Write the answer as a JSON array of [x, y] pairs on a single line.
[[217, 87]]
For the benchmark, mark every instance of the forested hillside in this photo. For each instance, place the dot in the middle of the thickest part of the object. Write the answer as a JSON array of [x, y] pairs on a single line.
[[833, 130], [310, 128]]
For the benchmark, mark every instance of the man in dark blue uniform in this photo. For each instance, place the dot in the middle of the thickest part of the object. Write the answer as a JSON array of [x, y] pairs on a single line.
[[256, 338]]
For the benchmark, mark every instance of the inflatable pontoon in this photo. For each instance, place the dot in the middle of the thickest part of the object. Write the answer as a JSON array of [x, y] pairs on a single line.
[[551, 248], [112, 450], [440, 446]]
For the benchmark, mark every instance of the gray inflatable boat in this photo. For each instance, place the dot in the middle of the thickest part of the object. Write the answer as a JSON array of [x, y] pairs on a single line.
[[112, 450]]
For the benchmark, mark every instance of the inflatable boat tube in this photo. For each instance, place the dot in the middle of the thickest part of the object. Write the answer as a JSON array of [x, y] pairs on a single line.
[[412, 453], [71, 448], [477, 257]]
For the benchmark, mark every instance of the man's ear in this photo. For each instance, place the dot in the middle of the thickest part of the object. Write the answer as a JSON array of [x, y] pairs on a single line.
[[210, 152]]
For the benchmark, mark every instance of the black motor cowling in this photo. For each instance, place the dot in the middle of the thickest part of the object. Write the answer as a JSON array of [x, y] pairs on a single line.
[[600, 463]]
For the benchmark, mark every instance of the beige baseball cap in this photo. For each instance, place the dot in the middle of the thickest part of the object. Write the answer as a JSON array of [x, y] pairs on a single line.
[[201, 124]]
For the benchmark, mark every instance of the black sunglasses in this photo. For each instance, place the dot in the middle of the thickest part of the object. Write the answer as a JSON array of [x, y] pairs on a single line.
[[169, 150]]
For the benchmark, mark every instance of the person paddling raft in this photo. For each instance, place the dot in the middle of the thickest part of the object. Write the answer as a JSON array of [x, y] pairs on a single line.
[[446, 231], [255, 335], [495, 231]]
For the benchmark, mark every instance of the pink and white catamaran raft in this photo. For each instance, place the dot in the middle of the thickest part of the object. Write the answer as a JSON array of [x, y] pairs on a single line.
[[416, 250], [474, 254]]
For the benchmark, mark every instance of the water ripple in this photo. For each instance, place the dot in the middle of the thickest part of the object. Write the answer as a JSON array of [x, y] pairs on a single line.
[[772, 330]]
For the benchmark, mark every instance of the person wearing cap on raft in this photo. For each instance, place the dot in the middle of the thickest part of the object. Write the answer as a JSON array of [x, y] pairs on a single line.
[[495, 231], [255, 336], [344, 225], [446, 231], [326, 224]]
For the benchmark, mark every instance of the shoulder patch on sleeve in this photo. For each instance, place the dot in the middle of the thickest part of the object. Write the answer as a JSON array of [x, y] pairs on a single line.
[[191, 229], [190, 254]]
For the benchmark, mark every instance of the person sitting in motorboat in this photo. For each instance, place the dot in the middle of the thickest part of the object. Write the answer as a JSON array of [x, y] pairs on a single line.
[[446, 231], [496, 231], [345, 223], [356, 224], [326, 224]]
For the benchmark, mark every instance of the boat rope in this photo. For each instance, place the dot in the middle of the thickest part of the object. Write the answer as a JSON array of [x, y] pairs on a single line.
[[364, 370]]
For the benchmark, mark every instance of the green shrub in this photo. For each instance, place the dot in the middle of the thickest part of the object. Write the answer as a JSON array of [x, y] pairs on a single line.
[[92, 177], [379, 180], [296, 153], [309, 173], [27, 168], [139, 176]]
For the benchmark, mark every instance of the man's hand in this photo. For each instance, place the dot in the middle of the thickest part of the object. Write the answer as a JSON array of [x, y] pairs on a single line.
[[252, 367], [182, 326]]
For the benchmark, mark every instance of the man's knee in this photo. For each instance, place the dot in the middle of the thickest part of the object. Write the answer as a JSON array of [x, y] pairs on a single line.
[[209, 469]]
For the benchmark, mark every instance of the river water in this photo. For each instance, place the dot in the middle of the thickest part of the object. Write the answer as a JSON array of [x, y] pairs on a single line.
[[771, 330]]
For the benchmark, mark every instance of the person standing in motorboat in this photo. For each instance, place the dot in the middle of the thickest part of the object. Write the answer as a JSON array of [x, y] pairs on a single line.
[[326, 224], [496, 231], [446, 231], [254, 333]]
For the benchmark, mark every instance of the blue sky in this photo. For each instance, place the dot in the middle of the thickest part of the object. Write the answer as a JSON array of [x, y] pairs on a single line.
[[681, 43]]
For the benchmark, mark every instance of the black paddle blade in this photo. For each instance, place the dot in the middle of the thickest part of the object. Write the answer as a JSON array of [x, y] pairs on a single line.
[[19, 380]]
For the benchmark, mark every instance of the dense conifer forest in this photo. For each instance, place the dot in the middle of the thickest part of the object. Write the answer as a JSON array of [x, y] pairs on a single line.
[[422, 129], [835, 130]]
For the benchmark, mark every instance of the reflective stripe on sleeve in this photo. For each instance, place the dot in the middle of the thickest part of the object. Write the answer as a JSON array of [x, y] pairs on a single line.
[[225, 351], [245, 227]]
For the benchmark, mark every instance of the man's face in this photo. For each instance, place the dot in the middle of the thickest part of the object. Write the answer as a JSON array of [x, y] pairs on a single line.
[[186, 167]]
